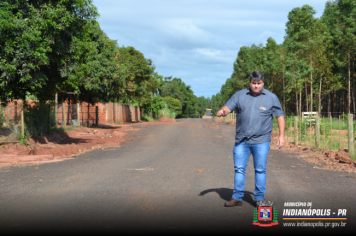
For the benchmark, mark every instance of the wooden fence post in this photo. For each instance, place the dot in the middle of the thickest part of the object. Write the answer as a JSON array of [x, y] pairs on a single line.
[[331, 133], [63, 115], [8, 110], [78, 110], [49, 128], [55, 107], [96, 115], [350, 127], [339, 134], [15, 111], [324, 133], [286, 126], [317, 131], [296, 130], [88, 114], [310, 127], [22, 122]]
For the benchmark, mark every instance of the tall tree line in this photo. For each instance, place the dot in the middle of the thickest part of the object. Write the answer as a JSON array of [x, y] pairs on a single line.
[[51, 46], [312, 70]]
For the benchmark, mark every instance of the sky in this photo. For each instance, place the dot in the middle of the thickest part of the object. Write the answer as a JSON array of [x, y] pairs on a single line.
[[196, 40]]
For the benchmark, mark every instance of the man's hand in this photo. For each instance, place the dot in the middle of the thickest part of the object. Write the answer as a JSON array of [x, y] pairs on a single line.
[[281, 126], [280, 142], [223, 111]]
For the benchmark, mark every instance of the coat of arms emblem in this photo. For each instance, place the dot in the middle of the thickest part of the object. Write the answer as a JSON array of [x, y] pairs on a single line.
[[265, 215]]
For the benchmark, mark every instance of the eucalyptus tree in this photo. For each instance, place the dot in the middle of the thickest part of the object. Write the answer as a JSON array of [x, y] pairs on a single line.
[[296, 70], [227, 90], [303, 35], [217, 102], [345, 32], [202, 105], [282, 56], [243, 65], [276, 57], [323, 54]]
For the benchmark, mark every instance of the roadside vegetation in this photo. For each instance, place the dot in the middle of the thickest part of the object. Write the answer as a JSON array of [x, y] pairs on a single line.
[[313, 69], [58, 46]]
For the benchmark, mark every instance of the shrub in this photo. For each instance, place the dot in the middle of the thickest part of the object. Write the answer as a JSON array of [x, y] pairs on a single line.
[[147, 118], [166, 112], [173, 104], [38, 118]]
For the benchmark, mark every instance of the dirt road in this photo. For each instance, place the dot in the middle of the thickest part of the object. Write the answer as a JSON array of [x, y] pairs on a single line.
[[169, 178]]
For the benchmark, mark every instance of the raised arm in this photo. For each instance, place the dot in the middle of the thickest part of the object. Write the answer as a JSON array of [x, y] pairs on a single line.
[[223, 111]]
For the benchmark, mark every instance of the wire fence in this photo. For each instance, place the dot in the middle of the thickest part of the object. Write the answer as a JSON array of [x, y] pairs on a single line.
[[10, 118], [325, 132], [336, 114], [22, 121], [329, 133]]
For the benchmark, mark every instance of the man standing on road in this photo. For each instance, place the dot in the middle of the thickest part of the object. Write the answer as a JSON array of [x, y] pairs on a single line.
[[255, 108]]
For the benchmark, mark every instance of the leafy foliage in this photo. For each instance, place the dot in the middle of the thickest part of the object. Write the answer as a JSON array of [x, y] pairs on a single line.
[[38, 45], [316, 59], [173, 105], [177, 89], [137, 72]]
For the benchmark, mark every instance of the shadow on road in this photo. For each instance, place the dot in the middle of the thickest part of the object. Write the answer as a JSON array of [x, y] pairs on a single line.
[[226, 193]]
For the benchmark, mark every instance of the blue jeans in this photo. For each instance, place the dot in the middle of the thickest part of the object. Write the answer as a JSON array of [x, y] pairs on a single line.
[[242, 152]]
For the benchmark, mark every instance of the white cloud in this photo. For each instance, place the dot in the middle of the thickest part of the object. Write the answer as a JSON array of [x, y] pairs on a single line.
[[197, 40], [208, 52], [185, 35]]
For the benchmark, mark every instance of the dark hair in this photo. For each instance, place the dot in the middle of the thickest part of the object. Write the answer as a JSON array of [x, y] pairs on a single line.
[[257, 75]]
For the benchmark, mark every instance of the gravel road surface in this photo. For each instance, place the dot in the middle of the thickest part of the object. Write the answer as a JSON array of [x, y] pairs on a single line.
[[170, 178]]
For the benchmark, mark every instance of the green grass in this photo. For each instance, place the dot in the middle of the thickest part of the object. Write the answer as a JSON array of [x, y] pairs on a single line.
[[330, 142], [166, 112], [147, 118], [323, 121], [327, 141], [335, 123]]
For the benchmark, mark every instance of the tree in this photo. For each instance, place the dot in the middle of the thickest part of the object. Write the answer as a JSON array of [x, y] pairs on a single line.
[[296, 71], [38, 45], [176, 88], [173, 105], [138, 74], [97, 73], [345, 33], [302, 33], [282, 55], [243, 66], [203, 104]]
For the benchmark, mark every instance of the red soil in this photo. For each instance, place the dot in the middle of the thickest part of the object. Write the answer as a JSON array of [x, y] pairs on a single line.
[[64, 146]]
